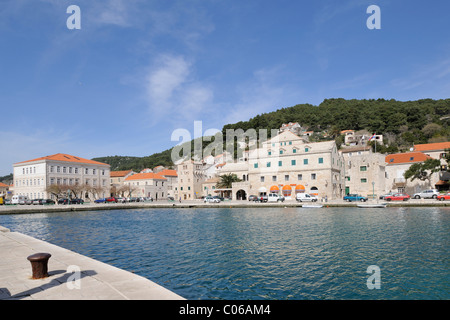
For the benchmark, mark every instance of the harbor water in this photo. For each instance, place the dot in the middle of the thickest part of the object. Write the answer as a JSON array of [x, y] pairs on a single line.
[[263, 253]]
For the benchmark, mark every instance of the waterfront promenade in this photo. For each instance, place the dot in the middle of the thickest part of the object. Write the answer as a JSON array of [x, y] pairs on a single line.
[[93, 281], [24, 209]]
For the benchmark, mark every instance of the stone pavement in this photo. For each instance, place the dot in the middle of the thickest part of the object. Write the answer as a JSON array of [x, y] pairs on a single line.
[[97, 280]]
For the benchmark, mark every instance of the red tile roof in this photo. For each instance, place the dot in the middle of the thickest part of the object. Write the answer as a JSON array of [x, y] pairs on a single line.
[[116, 174], [169, 173], [2, 185], [408, 157], [432, 146], [66, 158], [145, 176]]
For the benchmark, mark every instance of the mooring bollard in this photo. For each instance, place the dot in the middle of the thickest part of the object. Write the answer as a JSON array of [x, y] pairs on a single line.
[[39, 262]]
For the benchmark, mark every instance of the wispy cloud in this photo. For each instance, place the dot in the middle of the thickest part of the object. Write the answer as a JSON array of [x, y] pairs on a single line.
[[264, 92], [434, 76], [173, 91]]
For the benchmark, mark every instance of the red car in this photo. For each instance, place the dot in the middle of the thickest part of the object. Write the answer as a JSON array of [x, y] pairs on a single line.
[[443, 197], [398, 197], [111, 199]]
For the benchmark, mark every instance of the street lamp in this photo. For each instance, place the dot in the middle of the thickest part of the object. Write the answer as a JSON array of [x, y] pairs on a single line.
[[373, 190]]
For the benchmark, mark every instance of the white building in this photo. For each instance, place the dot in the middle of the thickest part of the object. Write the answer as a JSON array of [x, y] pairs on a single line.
[[152, 185], [85, 177]]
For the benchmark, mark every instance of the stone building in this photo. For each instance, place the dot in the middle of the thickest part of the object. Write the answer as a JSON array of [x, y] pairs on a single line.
[[86, 177]]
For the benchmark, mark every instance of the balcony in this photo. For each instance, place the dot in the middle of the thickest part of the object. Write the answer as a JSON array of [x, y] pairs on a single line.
[[399, 182]]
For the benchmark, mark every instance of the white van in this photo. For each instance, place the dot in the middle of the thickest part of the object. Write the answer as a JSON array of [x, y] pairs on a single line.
[[273, 197], [305, 197], [19, 200]]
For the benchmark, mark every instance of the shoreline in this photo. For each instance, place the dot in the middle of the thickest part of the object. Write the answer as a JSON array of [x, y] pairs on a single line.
[[29, 209]]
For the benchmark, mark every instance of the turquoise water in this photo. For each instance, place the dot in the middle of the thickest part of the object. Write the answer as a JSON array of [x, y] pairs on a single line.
[[263, 253]]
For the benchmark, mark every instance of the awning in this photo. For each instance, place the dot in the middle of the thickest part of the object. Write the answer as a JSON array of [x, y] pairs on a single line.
[[274, 188], [442, 183], [262, 189], [287, 187], [299, 187]]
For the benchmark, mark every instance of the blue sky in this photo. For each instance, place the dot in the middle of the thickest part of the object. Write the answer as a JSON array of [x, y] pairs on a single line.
[[137, 70]]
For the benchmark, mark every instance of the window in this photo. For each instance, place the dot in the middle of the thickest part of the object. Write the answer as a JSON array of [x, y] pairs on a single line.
[[86, 171], [280, 163], [300, 177], [363, 180], [274, 178], [293, 162], [270, 153], [305, 161], [286, 177], [294, 150], [64, 169], [281, 151], [320, 160], [268, 164], [306, 149], [189, 188], [290, 142], [313, 176], [255, 165], [262, 178], [363, 168], [347, 178]]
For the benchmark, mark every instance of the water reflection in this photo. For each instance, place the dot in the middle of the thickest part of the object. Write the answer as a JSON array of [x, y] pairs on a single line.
[[273, 253]]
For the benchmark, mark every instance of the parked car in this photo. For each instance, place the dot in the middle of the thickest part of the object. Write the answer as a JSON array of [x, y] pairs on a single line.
[[17, 199], [111, 199], [43, 201], [355, 197], [262, 198], [426, 194], [101, 200], [220, 198], [37, 201], [211, 199], [305, 197], [398, 197], [443, 197], [121, 200], [383, 196], [63, 201], [273, 197], [252, 198]]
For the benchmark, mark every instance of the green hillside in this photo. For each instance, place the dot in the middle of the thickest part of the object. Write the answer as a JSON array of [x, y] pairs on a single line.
[[402, 123]]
